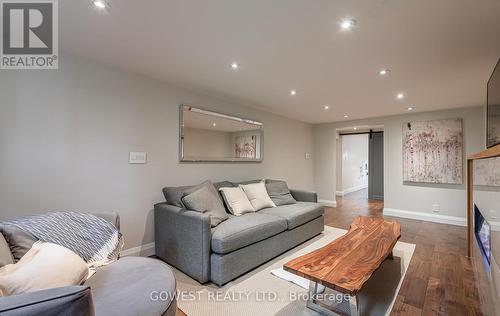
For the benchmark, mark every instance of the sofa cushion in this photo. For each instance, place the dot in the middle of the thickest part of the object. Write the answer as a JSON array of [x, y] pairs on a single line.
[[236, 201], [279, 193], [223, 184], [45, 265], [247, 182], [257, 195], [205, 201], [19, 241], [174, 195], [296, 214], [133, 286], [240, 231], [5, 254]]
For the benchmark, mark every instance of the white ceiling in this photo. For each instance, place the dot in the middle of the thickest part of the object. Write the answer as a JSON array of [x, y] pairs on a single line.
[[441, 52]]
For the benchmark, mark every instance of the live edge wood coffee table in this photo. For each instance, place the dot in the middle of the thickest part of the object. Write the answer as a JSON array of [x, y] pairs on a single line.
[[347, 263]]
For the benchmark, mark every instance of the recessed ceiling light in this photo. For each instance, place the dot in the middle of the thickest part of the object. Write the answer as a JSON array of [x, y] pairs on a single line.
[[100, 4], [400, 96], [293, 92], [411, 108], [346, 116], [347, 24], [326, 107], [214, 124], [355, 128], [235, 65], [384, 72]]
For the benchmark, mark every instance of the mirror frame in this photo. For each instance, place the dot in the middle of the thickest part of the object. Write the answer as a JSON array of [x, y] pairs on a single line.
[[221, 115]]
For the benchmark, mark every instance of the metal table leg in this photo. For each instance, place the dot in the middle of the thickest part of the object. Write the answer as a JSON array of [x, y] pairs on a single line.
[[312, 304], [353, 304], [401, 262]]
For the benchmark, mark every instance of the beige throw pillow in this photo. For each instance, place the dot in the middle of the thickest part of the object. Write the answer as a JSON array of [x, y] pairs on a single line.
[[257, 195], [236, 201], [44, 266]]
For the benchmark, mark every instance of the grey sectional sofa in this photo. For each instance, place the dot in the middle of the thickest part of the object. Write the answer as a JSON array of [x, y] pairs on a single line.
[[184, 238], [129, 286]]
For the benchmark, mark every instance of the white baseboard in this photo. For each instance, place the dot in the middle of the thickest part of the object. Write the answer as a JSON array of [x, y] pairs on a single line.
[[328, 202], [429, 217], [350, 190], [145, 250]]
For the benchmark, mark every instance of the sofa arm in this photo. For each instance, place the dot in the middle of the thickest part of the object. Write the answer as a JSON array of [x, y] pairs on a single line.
[[182, 238], [68, 300], [304, 196]]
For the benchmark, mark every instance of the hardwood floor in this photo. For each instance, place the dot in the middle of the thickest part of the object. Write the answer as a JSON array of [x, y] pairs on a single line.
[[440, 278]]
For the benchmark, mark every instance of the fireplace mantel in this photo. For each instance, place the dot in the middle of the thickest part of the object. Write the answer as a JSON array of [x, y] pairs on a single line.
[[483, 191]]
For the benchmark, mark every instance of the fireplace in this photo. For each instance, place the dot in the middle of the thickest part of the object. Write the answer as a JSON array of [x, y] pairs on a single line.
[[482, 230]]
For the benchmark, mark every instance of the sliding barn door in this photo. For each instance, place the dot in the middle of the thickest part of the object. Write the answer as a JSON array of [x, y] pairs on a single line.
[[376, 166]]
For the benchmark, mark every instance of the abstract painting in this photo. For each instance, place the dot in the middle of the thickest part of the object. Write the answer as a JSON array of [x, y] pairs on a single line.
[[433, 151], [245, 146], [487, 172], [493, 132]]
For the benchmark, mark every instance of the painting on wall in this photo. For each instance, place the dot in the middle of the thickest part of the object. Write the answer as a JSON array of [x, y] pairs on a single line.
[[487, 172], [245, 146], [433, 151], [493, 123]]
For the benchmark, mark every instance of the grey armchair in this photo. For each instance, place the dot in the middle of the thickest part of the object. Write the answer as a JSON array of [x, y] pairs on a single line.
[[125, 287]]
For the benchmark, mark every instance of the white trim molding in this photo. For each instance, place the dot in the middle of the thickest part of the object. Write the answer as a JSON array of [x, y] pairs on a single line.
[[350, 190], [328, 202], [429, 217], [145, 250]]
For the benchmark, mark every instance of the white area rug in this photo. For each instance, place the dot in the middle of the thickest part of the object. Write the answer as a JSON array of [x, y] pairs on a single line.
[[300, 281], [260, 293]]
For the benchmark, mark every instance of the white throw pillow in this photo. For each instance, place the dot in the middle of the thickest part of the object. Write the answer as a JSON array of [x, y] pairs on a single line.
[[237, 201], [44, 266], [258, 196]]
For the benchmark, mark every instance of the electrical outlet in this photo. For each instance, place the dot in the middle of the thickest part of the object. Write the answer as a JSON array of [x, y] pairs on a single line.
[[435, 208]]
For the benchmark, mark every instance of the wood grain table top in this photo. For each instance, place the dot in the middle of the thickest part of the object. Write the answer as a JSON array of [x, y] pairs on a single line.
[[348, 262]]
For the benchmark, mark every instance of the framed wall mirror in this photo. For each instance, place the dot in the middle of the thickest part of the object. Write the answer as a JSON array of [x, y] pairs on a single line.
[[207, 136]]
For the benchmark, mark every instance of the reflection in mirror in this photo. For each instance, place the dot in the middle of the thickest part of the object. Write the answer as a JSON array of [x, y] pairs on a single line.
[[210, 136]]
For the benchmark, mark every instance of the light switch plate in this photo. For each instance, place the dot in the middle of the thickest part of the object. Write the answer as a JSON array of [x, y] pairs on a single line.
[[137, 157], [307, 156]]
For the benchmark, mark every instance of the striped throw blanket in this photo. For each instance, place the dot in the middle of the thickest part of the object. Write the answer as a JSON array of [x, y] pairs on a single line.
[[94, 239]]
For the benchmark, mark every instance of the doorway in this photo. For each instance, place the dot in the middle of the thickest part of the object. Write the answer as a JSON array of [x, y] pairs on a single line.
[[360, 164]]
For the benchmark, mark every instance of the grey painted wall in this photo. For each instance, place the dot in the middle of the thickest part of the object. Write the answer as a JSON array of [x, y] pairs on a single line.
[[65, 136], [417, 197]]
